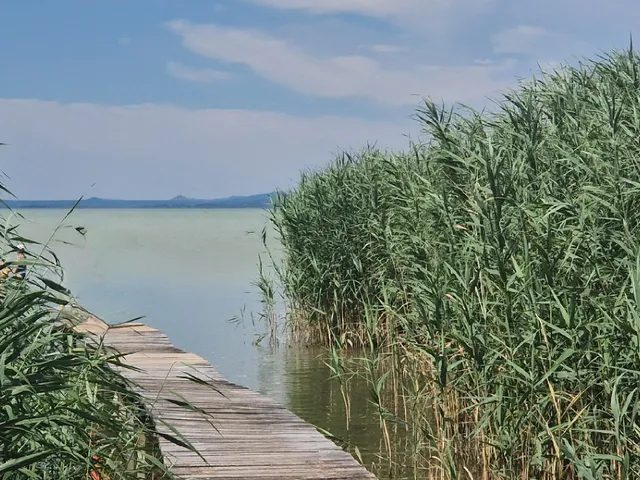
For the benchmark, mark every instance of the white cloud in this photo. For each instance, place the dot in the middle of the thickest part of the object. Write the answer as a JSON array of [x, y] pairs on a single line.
[[337, 76], [374, 8], [521, 39], [199, 75], [535, 41], [365, 7], [431, 18], [156, 151], [382, 48]]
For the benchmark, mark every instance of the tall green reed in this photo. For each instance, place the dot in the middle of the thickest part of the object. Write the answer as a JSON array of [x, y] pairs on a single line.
[[500, 260], [63, 397]]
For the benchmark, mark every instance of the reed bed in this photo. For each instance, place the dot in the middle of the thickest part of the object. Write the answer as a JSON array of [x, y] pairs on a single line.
[[493, 275], [65, 410]]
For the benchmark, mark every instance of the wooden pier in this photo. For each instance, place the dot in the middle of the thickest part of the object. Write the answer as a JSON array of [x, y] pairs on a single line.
[[244, 435]]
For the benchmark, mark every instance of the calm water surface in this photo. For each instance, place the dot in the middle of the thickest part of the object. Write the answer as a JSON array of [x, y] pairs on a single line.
[[188, 272]]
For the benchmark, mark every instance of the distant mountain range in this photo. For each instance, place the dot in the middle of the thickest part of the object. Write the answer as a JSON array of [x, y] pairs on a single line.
[[262, 200]]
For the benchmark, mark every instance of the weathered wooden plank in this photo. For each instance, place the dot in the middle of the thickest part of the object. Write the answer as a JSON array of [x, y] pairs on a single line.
[[241, 434]]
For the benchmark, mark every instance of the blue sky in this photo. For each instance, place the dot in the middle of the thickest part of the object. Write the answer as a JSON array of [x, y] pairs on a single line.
[[206, 98]]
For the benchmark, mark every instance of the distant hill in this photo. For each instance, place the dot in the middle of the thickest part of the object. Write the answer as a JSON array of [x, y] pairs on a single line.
[[262, 200]]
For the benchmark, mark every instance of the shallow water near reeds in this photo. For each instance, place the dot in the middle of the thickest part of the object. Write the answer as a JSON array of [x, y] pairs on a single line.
[[189, 272]]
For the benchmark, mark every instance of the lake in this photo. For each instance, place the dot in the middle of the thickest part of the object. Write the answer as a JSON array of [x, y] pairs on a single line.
[[189, 273]]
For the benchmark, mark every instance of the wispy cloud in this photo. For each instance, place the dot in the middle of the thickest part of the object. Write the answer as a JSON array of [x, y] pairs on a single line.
[[430, 18], [338, 76], [535, 41], [124, 40], [373, 8], [199, 75], [382, 48], [166, 150], [520, 39]]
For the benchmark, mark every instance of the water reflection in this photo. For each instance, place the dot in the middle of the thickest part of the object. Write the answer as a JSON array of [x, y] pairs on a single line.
[[306, 385]]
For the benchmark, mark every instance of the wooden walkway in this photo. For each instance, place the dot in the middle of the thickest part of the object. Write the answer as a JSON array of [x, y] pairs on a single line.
[[246, 435]]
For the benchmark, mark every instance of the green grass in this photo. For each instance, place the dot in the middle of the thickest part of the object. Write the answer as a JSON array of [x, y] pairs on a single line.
[[494, 271]]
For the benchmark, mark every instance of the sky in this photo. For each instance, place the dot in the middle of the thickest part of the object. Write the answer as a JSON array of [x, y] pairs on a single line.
[[148, 99]]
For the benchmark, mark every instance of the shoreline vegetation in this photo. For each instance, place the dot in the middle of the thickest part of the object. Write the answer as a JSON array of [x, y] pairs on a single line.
[[488, 279], [65, 410], [63, 402]]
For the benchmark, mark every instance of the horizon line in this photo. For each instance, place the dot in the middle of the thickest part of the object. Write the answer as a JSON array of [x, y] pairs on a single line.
[[175, 198]]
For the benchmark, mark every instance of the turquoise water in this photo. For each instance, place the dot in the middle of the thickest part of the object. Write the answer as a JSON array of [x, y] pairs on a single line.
[[189, 272]]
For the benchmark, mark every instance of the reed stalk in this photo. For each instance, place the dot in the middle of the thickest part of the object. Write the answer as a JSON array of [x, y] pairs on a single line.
[[495, 269]]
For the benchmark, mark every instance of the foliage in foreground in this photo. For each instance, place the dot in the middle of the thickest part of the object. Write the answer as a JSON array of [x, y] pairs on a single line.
[[495, 269], [62, 402]]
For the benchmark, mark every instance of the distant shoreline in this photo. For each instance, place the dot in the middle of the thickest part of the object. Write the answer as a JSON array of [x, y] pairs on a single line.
[[163, 207], [179, 202]]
